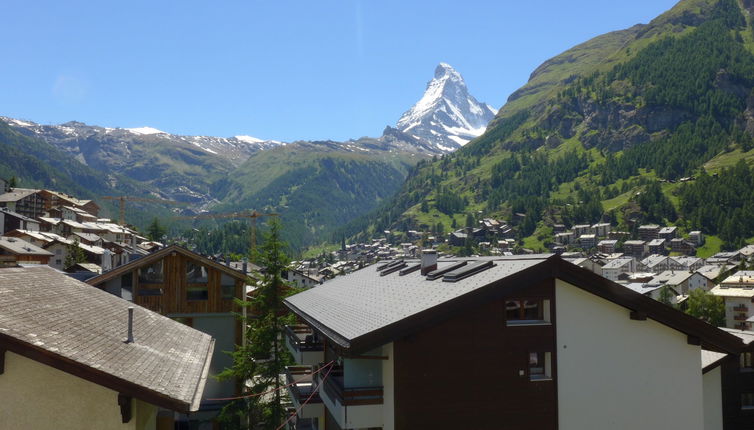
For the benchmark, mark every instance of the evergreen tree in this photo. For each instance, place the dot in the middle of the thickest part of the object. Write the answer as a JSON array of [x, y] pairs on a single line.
[[74, 254], [156, 231], [259, 362]]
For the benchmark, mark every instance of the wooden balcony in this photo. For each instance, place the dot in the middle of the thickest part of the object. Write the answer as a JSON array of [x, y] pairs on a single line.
[[302, 388], [304, 345], [740, 317], [740, 308]]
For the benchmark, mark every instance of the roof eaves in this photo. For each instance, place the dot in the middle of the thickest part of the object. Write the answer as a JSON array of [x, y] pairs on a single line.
[[91, 374], [711, 337]]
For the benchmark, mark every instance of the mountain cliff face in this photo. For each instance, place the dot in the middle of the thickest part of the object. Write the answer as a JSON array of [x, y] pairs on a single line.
[[447, 116], [598, 124]]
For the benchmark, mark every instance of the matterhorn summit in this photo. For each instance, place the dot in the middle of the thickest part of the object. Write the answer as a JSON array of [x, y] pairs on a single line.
[[447, 116]]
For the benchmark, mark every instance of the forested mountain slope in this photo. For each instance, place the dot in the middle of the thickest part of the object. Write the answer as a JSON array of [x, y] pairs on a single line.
[[626, 113]]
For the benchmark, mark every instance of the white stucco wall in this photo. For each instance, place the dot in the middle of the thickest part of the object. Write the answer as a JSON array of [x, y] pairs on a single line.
[[40, 397], [713, 400], [621, 373]]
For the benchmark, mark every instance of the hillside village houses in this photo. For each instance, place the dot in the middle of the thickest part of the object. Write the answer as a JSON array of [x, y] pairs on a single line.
[[199, 292]]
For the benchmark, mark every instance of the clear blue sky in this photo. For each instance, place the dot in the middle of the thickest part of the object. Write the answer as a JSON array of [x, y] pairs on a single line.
[[280, 69]]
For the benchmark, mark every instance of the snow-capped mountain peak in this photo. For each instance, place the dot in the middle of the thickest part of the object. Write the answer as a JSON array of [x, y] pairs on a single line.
[[446, 116]]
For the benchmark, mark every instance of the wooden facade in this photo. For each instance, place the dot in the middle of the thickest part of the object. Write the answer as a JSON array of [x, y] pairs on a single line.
[[171, 296], [483, 382]]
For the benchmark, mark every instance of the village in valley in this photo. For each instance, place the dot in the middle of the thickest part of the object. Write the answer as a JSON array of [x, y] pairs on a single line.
[[56, 245], [248, 215]]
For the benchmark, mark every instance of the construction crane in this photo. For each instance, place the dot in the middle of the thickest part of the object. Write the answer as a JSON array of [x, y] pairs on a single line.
[[123, 199], [253, 215]]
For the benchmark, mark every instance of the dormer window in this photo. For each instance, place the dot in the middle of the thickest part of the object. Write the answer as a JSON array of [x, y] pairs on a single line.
[[527, 311]]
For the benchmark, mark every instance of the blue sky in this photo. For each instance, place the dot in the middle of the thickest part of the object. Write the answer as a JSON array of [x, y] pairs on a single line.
[[285, 70]]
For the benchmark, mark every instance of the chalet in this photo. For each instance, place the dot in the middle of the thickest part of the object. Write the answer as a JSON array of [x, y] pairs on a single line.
[[580, 229], [10, 220], [601, 229], [195, 290], [684, 281], [657, 246], [683, 246], [635, 248], [654, 291], [696, 237], [648, 232], [732, 257], [517, 343], [74, 357], [53, 199], [738, 292], [587, 241], [607, 246], [613, 268], [654, 263], [685, 262], [23, 252], [59, 247], [565, 238], [558, 228], [24, 201], [668, 233], [301, 279]]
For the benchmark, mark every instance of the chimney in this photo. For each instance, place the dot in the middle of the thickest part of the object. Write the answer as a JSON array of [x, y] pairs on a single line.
[[429, 261], [130, 338], [245, 266]]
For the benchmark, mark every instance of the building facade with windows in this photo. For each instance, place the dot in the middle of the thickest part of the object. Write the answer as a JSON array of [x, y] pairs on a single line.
[[519, 342], [192, 289]]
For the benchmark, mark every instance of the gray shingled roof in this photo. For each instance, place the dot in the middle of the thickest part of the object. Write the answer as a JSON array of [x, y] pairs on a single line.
[[18, 246], [70, 320], [348, 307]]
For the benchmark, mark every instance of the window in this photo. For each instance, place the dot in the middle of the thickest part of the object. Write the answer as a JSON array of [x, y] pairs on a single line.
[[227, 287], [746, 362], [196, 278], [540, 366], [747, 400], [527, 311], [152, 274]]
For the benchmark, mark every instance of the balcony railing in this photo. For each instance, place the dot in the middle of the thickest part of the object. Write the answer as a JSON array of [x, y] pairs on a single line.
[[741, 308], [348, 396], [301, 383], [740, 317], [302, 338]]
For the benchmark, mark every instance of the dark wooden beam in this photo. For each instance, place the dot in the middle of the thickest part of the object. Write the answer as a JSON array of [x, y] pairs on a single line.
[[125, 407], [638, 316], [2, 361], [693, 340]]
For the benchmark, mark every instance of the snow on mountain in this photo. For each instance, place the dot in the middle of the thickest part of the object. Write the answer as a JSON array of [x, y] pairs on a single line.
[[446, 116], [73, 136], [145, 130]]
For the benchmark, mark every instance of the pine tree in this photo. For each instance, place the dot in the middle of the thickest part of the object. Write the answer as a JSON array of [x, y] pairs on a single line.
[[258, 363], [156, 231], [74, 254]]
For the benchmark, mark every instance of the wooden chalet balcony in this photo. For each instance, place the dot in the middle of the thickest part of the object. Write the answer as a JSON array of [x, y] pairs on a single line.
[[740, 317], [351, 407], [302, 387], [741, 308], [303, 345]]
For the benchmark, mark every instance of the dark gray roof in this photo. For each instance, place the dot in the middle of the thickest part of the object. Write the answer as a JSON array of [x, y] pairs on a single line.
[[48, 314], [352, 306], [366, 309]]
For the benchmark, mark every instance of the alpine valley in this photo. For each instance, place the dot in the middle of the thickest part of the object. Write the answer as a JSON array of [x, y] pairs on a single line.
[[315, 185], [649, 124]]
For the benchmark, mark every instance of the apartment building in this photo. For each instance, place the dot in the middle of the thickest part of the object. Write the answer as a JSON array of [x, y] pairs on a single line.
[[516, 342]]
